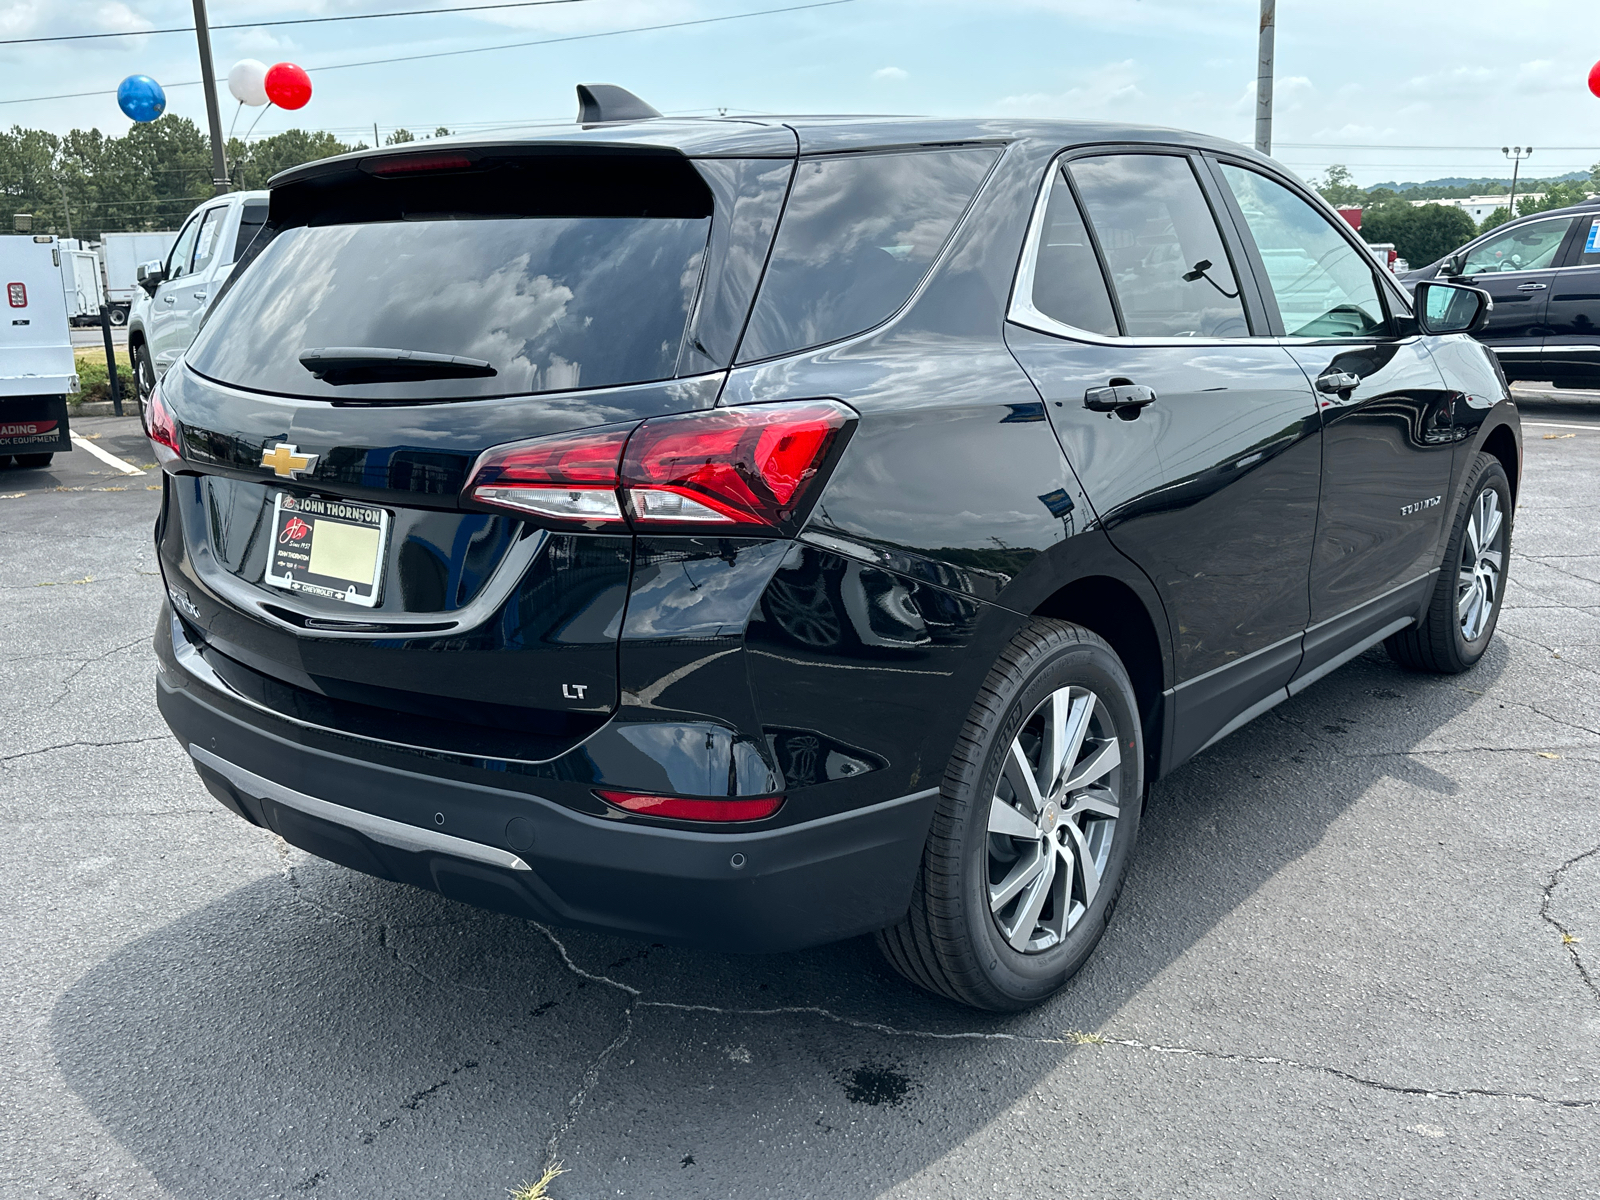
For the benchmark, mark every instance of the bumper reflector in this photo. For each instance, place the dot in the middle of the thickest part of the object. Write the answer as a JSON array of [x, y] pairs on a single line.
[[685, 808]]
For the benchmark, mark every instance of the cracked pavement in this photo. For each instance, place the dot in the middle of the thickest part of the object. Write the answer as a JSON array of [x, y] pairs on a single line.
[[1356, 955]]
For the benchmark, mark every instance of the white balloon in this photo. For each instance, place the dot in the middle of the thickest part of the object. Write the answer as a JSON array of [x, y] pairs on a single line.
[[248, 82]]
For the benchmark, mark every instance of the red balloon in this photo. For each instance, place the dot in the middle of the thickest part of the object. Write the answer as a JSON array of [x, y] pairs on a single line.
[[1594, 79], [288, 86]]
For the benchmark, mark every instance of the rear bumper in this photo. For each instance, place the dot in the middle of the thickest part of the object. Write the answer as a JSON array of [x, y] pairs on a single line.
[[760, 891]]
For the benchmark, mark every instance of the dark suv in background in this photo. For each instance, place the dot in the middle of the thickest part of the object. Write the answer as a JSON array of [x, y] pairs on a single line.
[[1543, 273], [761, 532]]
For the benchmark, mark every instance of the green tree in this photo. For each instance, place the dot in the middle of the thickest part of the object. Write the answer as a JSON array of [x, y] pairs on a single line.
[[252, 166], [399, 137], [1338, 188], [1556, 195], [1421, 234]]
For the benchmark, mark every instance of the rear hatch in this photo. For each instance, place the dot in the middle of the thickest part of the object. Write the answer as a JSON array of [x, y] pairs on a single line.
[[399, 315]]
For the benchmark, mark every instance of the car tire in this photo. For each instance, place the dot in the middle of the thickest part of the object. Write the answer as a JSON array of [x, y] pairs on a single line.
[[1465, 608], [35, 460], [119, 317], [974, 933], [144, 372]]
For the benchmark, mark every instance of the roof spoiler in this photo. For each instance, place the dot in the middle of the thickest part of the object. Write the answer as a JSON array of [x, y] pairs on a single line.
[[601, 103]]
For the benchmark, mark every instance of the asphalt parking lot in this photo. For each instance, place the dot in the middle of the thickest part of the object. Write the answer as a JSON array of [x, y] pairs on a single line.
[[1359, 953]]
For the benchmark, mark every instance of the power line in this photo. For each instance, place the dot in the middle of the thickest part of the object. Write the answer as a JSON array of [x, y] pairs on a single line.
[[575, 37], [411, 12]]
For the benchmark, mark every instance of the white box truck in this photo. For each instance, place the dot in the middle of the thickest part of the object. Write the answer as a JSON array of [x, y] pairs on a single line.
[[120, 256], [37, 370]]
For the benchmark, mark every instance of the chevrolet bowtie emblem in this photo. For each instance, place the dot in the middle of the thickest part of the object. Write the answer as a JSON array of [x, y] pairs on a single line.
[[285, 461]]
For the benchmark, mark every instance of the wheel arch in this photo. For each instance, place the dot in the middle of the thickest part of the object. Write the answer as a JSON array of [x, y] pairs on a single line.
[[1112, 608], [1502, 443]]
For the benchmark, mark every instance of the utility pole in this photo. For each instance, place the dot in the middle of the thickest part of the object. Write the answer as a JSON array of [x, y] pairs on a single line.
[[1516, 154], [1269, 18], [208, 80], [65, 207]]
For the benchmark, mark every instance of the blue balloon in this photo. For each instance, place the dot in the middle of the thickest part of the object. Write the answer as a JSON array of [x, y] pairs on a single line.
[[141, 98]]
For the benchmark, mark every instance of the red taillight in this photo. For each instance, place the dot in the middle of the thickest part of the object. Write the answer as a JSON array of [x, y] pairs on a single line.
[[411, 164], [161, 429], [569, 477], [683, 808], [749, 466]]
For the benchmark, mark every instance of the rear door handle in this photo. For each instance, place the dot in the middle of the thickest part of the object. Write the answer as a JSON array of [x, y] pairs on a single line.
[[1335, 382], [1532, 287], [1122, 395]]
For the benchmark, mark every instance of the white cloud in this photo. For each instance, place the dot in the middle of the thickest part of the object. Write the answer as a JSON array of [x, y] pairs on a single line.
[[892, 74], [1114, 85]]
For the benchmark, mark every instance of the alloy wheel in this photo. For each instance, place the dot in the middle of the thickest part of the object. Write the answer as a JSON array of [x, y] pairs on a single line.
[[1052, 819], [1482, 565]]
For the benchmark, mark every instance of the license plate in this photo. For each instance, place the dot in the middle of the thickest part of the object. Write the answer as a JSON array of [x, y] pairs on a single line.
[[330, 548]]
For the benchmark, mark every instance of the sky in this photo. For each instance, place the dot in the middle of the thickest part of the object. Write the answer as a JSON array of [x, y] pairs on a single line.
[[1394, 89]]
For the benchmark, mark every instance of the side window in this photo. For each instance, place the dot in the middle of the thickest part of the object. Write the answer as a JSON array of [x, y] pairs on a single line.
[[1068, 285], [251, 220], [1325, 287], [1162, 248], [858, 234], [205, 246], [178, 256], [1530, 247]]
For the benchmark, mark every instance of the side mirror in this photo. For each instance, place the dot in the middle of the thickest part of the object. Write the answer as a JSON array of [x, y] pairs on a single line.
[[150, 276], [1455, 265], [1451, 307]]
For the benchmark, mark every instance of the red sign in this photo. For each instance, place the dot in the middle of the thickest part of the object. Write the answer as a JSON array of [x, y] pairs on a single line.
[[18, 429], [1352, 215], [17, 294]]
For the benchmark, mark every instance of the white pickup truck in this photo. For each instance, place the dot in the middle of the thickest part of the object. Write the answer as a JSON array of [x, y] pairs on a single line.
[[37, 370], [177, 290]]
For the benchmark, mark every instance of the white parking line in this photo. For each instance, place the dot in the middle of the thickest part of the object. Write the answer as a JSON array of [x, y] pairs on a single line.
[[127, 468], [1558, 425]]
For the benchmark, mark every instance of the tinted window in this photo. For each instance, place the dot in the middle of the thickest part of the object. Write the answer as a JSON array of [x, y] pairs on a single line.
[[552, 303], [1530, 247], [205, 246], [178, 256], [251, 220], [1067, 282], [1166, 259], [858, 234], [1325, 287]]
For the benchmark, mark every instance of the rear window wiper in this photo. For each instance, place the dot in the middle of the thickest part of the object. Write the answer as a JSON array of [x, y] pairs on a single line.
[[379, 364]]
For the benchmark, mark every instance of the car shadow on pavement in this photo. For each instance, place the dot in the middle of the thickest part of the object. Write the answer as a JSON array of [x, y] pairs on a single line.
[[319, 1031]]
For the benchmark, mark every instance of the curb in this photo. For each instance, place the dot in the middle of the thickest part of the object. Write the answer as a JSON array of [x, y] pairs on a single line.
[[103, 408]]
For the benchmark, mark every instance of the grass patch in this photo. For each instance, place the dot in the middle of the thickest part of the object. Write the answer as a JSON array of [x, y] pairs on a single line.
[[1084, 1039], [94, 381], [538, 1189]]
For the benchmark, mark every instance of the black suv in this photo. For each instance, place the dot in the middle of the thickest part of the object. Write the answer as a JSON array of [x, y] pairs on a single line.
[[1543, 273], [761, 532]]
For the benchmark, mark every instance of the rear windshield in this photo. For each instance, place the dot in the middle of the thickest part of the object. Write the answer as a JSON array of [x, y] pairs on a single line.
[[550, 302], [858, 234]]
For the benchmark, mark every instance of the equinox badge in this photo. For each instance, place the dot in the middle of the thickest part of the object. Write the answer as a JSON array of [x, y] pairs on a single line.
[[286, 461]]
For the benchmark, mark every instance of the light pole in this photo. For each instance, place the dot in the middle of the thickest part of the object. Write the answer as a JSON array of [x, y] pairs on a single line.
[[1516, 154], [1269, 19], [208, 80]]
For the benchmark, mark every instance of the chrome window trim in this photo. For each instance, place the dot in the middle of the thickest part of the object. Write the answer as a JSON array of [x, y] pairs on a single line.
[[1021, 310]]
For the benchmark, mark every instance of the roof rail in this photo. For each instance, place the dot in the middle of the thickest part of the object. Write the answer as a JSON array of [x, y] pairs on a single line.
[[599, 103]]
